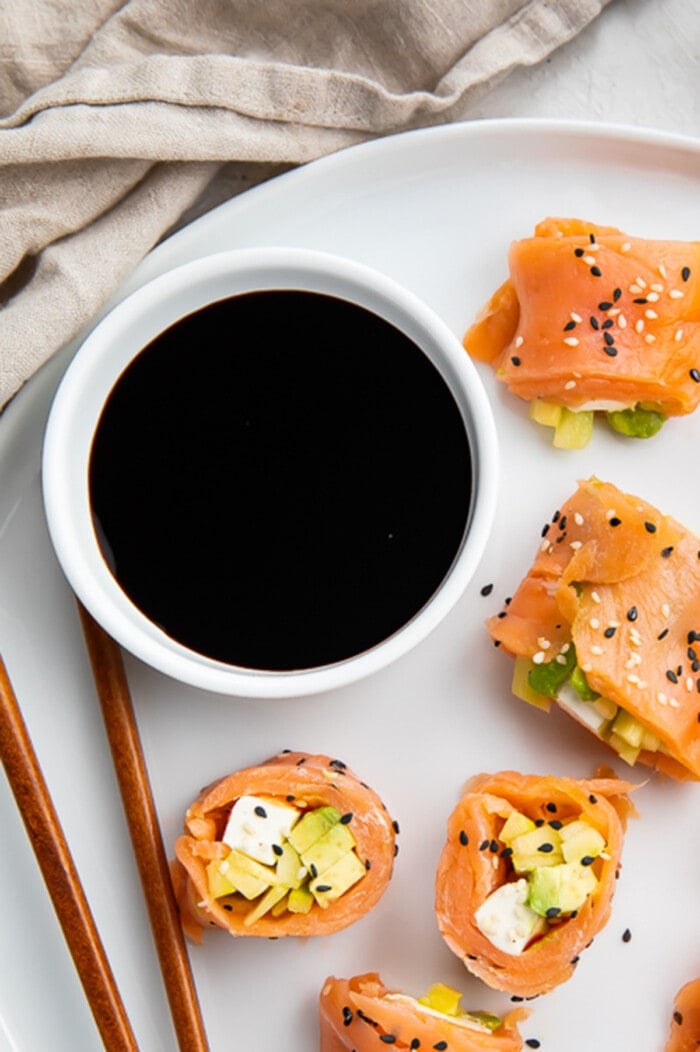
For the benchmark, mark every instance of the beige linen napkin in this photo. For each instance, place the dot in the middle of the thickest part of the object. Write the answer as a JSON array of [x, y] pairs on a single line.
[[118, 117]]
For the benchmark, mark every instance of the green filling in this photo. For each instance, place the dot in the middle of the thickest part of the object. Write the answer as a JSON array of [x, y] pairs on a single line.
[[638, 422], [548, 677], [580, 684]]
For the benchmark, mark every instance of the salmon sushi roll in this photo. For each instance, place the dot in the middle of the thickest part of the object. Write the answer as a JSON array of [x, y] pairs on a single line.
[[684, 1035], [591, 320], [606, 623], [295, 846], [526, 878], [361, 1015]]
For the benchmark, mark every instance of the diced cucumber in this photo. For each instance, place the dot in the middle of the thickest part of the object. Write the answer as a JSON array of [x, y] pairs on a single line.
[[521, 685], [545, 413], [574, 430], [628, 728]]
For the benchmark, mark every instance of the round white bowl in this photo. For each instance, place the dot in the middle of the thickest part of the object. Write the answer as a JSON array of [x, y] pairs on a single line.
[[110, 348]]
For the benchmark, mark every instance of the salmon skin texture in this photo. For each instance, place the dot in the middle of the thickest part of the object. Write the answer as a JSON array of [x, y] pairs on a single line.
[[311, 780], [590, 314], [359, 1015], [621, 582], [684, 1034], [469, 871]]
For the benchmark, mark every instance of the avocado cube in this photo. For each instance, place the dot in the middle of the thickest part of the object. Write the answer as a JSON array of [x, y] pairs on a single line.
[[546, 413], [580, 840], [280, 907], [300, 900], [218, 883], [562, 888], [442, 998], [312, 826], [289, 870], [329, 848], [574, 429], [539, 847], [271, 897], [246, 875], [336, 880], [624, 750], [515, 825], [628, 728]]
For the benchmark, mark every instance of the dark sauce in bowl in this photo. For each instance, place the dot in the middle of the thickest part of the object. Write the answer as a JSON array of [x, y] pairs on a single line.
[[280, 480]]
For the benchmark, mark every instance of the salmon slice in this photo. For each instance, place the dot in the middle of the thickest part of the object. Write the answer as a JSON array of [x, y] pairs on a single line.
[[305, 782], [590, 317], [620, 582], [361, 1015], [475, 863], [685, 1022]]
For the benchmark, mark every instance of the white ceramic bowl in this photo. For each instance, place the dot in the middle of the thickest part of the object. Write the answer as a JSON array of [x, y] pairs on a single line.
[[127, 330]]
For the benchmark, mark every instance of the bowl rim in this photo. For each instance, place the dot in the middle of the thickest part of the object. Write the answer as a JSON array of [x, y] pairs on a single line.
[[124, 332]]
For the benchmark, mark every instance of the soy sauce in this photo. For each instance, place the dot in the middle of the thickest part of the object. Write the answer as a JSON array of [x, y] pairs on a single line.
[[280, 480]]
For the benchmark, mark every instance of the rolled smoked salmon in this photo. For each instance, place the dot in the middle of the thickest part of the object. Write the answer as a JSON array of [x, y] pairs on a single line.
[[611, 604], [295, 846], [685, 1022], [361, 1015], [593, 319], [506, 830]]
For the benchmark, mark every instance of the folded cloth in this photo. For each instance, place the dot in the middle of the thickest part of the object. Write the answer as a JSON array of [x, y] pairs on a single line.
[[118, 117]]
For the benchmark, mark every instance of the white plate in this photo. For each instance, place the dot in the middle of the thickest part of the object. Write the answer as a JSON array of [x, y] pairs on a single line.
[[436, 210]]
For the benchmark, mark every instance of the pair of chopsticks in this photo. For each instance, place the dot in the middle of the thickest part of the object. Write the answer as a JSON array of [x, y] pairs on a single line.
[[59, 871]]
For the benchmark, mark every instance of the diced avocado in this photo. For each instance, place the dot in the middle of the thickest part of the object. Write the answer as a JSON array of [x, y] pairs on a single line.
[[246, 875], [271, 897], [280, 907], [650, 742], [336, 880], [540, 847], [442, 998], [300, 900], [580, 684], [624, 750], [545, 413], [639, 422], [574, 430], [289, 870], [312, 826], [486, 1020], [562, 888], [548, 677], [521, 686], [580, 840], [514, 826], [628, 728], [606, 708], [329, 848], [218, 883]]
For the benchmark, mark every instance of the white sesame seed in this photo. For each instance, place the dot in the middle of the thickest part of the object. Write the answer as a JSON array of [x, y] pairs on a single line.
[[656, 287], [639, 325], [665, 610], [590, 260], [575, 545], [633, 660], [610, 514], [651, 314], [595, 649], [632, 678], [642, 684], [650, 338], [594, 622], [689, 683], [595, 597], [560, 659], [641, 282], [613, 312], [545, 545], [662, 270], [519, 341], [571, 341], [613, 624], [635, 289], [652, 297], [578, 518], [543, 643], [565, 648], [494, 862], [538, 658], [661, 698], [569, 385], [676, 294], [622, 322], [625, 246], [575, 317], [674, 703], [587, 667], [678, 335]]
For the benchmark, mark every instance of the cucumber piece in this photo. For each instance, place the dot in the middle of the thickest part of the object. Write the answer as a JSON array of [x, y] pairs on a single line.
[[574, 430], [521, 686], [545, 413]]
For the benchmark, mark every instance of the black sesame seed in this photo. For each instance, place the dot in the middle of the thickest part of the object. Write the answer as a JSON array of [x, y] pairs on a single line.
[[289, 797], [615, 521], [575, 960], [692, 654], [515, 360], [632, 613], [591, 238], [596, 272], [415, 1043], [553, 911], [641, 299], [605, 305], [508, 851], [546, 848], [483, 845], [626, 935], [608, 324], [693, 637], [517, 997], [595, 324], [579, 252], [562, 522], [227, 907], [662, 634], [348, 1016], [569, 326], [650, 527], [616, 294], [301, 761], [556, 516], [678, 1017], [388, 1039], [556, 823], [260, 812], [463, 838], [695, 375], [532, 1042], [323, 887], [396, 850], [685, 273], [312, 870], [493, 847], [593, 799], [665, 552], [277, 850], [610, 632], [338, 764], [508, 600], [587, 860], [346, 818], [501, 614], [539, 822], [395, 827], [552, 808], [609, 338], [472, 957], [368, 864], [611, 351], [487, 589], [671, 675], [545, 530], [441, 1046]]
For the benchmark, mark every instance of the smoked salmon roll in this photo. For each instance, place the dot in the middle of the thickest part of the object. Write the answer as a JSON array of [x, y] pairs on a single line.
[[295, 846], [607, 624], [593, 320], [684, 1035], [527, 874], [361, 1015]]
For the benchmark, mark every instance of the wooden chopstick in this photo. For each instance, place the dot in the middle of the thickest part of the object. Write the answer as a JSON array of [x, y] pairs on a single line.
[[59, 872], [122, 732]]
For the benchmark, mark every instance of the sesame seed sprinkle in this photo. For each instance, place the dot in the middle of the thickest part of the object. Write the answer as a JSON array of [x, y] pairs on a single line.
[[575, 317], [694, 375], [676, 294], [662, 270], [650, 338], [685, 273], [538, 657], [656, 286], [575, 545], [625, 246], [678, 335], [570, 325], [661, 698], [622, 322], [519, 341], [595, 649], [639, 325], [595, 324], [653, 297], [571, 341], [609, 632], [569, 385], [650, 314], [594, 622], [595, 597]]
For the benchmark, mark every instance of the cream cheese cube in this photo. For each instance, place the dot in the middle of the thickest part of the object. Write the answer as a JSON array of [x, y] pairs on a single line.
[[506, 921], [256, 824]]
